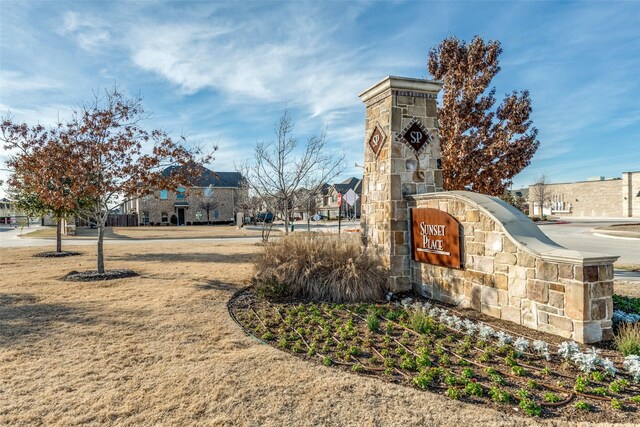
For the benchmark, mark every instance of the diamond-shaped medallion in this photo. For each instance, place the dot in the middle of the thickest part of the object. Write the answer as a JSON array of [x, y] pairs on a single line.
[[377, 139], [415, 135]]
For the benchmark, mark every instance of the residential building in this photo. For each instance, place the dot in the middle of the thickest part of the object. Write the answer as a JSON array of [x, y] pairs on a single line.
[[327, 201], [212, 198]]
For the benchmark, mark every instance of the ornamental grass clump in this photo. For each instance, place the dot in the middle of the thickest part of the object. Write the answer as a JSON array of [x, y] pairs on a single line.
[[320, 268], [628, 339]]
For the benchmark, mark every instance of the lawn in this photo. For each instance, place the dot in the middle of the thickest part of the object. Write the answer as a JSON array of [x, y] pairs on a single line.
[[161, 349], [192, 232]]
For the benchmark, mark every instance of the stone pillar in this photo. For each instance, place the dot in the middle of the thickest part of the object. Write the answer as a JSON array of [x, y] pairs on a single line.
[[401, 157]]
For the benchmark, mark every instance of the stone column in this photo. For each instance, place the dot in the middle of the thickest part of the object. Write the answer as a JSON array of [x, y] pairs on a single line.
[[401, 157]]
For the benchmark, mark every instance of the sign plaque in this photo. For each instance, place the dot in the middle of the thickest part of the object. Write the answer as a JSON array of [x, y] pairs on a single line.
[[377, 139], [415, 135], [435, 237]]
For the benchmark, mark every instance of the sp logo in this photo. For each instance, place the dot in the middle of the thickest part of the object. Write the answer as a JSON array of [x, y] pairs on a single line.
[[416, 137], [375, 140]]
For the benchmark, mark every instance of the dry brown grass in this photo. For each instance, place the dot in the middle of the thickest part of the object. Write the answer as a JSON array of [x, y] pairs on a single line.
[[321, 267], [161, 349], [191, 232]]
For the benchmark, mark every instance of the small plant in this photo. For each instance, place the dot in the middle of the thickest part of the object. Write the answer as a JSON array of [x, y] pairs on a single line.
[[474, 389], [354, 351], [618, 386], [598, 376], [523, 394], [583, 406], [267, 336], [408, 363], [519, 371], [444, 360], [530, 407], [497, 378], [389, 362], [420, 322], [546, 371], [373, 323], [599, 391], [455, 393], [468, 373], [551, 397], [500, 396], [282, 343], [581, 384], [357, 368], [326, 361], [450, 379], [424, 358], [427, 377], [567, 349], [635, 399], [628, 339], [532, 385], [617, 404]]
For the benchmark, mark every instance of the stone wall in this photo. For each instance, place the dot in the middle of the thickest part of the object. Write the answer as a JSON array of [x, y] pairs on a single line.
[[395, 169], [631, 194], [512, 271]]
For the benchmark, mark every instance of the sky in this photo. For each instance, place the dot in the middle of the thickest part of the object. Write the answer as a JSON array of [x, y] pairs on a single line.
[[222, 73]]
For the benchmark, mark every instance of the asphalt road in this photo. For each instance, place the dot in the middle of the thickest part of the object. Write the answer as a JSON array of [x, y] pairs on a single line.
[[579, 235]]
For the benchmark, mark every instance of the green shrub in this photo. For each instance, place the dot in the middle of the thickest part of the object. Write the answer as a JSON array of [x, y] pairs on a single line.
[[474, 389], [530, 407], [584, 406], [551, 397], [373, 323], [617, 404], [320, 268], [628, 339]]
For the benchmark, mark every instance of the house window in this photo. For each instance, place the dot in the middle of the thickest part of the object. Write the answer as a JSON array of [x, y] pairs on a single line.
[[215, 215], [180, 194], [334, 198], [145, 218], [164, 217], [164, 194]]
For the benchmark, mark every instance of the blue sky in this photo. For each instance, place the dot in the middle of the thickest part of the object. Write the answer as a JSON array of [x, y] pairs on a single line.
[[224, 72]]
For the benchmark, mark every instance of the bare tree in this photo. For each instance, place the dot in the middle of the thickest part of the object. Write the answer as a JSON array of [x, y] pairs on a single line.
[[281, 168], [540, 193]]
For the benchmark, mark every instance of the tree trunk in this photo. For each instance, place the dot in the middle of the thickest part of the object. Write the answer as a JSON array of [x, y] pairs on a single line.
[[59, 235], [101, 247], [286, 217]]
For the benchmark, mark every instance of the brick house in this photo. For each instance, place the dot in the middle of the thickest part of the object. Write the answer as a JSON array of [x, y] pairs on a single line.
[[327, 201], [213, 198]]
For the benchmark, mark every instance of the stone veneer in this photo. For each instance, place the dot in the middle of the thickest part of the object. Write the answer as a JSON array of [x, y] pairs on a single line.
[[396, 170], [512, 271]]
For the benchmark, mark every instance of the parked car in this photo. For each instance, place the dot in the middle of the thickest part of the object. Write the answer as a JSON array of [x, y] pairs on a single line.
[[265, 217]]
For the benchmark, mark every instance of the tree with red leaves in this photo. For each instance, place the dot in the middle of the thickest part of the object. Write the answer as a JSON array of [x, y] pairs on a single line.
[[482, 147], [102, 155], [42, 180]]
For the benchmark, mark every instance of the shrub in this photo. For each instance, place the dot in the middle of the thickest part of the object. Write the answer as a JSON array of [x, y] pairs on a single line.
[[373, 323], [322, 268], [628, 339]]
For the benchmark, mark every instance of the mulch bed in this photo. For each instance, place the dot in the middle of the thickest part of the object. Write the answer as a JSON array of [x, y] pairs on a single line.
[[383, 341], [94, 276], [54, 254]]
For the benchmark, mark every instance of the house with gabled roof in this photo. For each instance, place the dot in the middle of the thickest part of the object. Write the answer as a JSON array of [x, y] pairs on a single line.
[[213, 197]]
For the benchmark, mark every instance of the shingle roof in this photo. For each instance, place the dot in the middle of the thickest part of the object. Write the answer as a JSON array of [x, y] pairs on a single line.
[[210, 178]]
